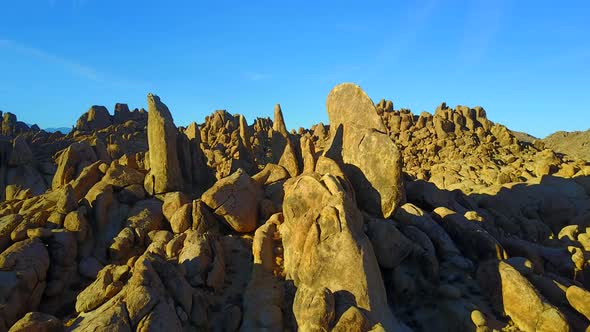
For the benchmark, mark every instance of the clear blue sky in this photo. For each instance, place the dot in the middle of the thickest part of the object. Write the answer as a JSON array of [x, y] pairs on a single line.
[[526, 62]]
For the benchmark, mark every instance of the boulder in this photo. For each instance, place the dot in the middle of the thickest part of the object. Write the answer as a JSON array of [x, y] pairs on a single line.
[[8, 224], [172, 202], [122, 113], [203, 219], [8, 124], [89, 176], [71, 162], [271, 173], [37, 322], [352, 320], [475, 241], [108, 283], [513, 294], [181, 220], [235, 199], [196, 258], [579, 299], [308, 154], [131, 194], [263, 246], [263, 301], [390, 245], [348, 104], [23, 270], [146, 301], [67, 200], [314, 309], [21, 153], [325, 246], [446, 249], [120, 176], [76, 222], [96, 118], [368, 156], [146, 216]]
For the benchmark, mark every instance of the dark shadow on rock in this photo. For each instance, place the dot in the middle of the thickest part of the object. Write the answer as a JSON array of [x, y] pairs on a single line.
[[278, 144], [366, 195], [343, 300], [525, 218]]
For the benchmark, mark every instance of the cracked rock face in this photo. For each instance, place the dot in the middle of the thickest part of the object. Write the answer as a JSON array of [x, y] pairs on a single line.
[[23, 270], [235, 199], [361, 145], [325, 246], [348, 104]]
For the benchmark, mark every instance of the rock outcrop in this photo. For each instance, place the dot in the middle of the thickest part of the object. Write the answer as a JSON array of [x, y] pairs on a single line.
[[235, 199], [165, 174], [382, 221], [325, 247], [369, 158], [96, 118]]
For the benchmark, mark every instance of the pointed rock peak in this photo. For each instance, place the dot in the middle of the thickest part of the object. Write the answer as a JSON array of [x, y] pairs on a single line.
[[245, 132], [165, 174], [480, 113], [279, 122], [347, 103], [243, 122], [155, 105], [192, 131]]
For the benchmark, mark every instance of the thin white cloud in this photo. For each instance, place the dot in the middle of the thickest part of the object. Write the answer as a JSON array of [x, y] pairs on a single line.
[[255, 76], [71, 66]]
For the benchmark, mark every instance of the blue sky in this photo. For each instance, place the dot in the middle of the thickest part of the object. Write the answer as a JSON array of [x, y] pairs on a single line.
[[526, 62]]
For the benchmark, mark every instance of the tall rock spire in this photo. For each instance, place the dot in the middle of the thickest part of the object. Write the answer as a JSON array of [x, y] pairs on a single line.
[[279, 123], [165, 174]]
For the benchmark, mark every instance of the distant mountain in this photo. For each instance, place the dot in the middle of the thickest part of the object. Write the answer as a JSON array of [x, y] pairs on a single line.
[[575, 143], [524, 137], [63, 130]]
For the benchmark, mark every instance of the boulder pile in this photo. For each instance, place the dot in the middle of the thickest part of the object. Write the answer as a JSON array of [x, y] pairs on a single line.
[[379, 221]]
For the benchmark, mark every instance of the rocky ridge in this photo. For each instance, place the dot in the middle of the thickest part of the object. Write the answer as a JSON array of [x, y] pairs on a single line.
[[380, 221], [575, 144]]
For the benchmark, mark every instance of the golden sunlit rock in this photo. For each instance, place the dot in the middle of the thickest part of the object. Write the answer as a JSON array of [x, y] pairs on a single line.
[[381, 220]]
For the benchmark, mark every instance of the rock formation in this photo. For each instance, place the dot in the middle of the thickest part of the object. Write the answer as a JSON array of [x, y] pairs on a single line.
[[368, 156], [165, 174], [380, 221], [96, 118], [575, 144]]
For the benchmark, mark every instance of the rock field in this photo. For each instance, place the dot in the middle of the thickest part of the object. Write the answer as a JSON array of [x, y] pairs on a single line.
[[381, 220]]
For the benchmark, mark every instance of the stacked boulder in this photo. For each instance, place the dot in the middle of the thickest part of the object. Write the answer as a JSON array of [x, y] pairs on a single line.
[[461, 149], [364, 150]]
